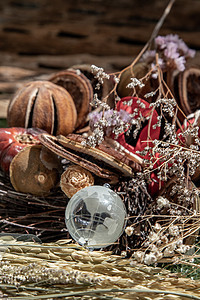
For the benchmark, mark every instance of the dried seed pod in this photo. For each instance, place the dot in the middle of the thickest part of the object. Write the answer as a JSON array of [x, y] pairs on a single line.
[[79, 88], [103, 161], [44, 105], [190, 139], [74, 179], [188, 85], [28, 174], [137, 71]]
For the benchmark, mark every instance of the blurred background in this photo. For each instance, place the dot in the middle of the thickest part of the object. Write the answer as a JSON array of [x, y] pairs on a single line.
[[38, 37]]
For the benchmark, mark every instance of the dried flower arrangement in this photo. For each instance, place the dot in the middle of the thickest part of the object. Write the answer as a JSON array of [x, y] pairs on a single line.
[[152, 130], [135, 140]]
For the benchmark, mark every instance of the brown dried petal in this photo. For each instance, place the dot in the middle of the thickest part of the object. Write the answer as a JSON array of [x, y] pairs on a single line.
[[74, 179]]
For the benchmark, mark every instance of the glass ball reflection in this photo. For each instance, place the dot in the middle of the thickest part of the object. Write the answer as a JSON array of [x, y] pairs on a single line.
[[95, 217]]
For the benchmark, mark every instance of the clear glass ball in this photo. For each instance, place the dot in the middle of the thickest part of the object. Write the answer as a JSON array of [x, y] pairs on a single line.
[[95, 217]]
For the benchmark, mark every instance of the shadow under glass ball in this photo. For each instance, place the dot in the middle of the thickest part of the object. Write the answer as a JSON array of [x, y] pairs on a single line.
[[95, 217]]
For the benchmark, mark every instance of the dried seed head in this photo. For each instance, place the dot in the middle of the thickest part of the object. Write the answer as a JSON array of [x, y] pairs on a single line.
[[74, 179], [129, 230]]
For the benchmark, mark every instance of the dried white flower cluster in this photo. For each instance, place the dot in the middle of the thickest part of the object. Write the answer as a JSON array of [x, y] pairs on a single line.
[[178, 161], [96, 102], [150, 94], [162, 202], [100, 75], [166, 105], [162, 243], [129, 230], [135, 82], [173, 153]]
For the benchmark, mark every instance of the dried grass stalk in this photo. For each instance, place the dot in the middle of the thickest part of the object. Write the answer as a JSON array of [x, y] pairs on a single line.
[[63, 269]]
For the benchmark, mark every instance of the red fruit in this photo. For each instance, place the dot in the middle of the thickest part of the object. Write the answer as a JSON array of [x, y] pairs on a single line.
[[13, 140]]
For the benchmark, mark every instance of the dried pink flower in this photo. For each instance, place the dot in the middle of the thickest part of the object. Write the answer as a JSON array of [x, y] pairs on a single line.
[[173, 53]]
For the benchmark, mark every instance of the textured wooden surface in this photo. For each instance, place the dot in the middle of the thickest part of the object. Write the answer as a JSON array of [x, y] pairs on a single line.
[[119, 27], [38, 37]]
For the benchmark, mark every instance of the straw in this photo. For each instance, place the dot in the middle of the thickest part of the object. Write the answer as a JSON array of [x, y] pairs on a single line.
[[30, 270]]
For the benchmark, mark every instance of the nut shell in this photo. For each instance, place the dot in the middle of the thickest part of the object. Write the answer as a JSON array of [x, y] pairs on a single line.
[[139, 70], [79, 88], [28, 174], [189, 89], [44, 105]]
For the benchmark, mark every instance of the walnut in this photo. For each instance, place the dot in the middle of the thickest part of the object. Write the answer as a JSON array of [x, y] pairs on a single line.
[[74, 179]]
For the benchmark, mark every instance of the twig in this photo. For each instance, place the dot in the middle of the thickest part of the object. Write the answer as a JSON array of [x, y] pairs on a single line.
[[26, 226], [154, 33]]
